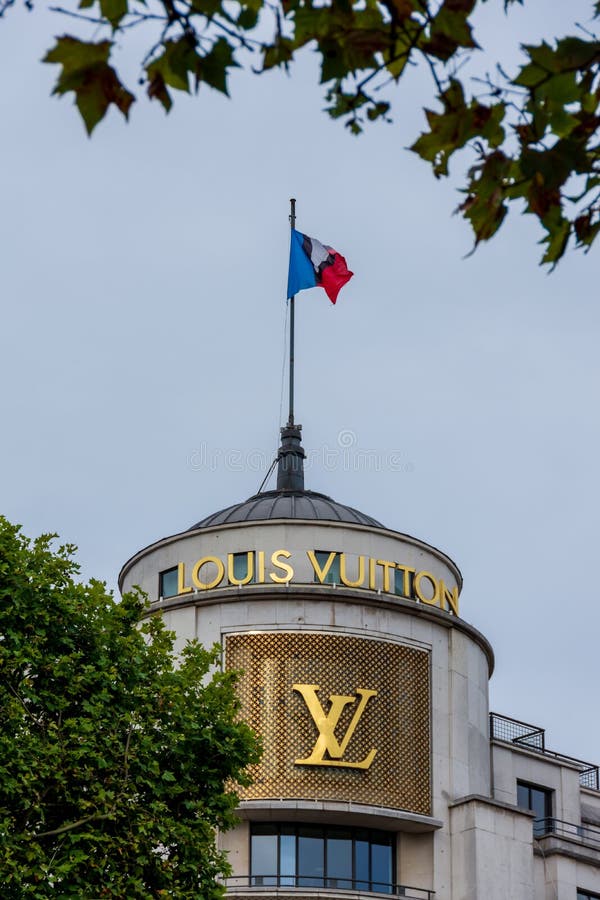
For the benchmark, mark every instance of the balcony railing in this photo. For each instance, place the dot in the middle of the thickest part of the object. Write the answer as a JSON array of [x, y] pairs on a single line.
[[318, 883], [511, 731], [587, 834]]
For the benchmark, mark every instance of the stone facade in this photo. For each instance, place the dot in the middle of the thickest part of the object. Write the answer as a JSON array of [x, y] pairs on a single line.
[[371, 696]]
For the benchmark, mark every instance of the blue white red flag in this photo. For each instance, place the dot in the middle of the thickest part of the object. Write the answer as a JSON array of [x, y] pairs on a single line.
[[313, 264]]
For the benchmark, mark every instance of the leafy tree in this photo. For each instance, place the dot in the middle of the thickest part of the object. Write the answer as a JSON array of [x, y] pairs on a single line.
[[531, 136], [115, 760]]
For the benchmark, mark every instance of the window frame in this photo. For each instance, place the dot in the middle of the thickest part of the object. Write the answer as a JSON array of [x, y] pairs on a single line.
[[249, 556], [331, 880], [333, 575], [169, 571], [539, 823]]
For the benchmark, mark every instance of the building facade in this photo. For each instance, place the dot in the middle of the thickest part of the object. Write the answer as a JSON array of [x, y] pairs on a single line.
[[383, 771]]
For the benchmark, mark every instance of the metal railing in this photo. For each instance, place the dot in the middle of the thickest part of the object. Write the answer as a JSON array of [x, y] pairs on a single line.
[[318, 883], [587, 834], [512, 731]]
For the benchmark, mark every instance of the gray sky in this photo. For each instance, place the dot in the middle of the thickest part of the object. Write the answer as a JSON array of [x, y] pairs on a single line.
[[143, 279]]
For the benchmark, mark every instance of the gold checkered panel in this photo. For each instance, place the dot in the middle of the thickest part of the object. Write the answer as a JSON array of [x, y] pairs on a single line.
[[318, 734]]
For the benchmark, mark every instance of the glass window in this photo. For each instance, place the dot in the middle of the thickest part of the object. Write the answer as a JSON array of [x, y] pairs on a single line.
[[399, 579], [362, 860], [168, 585], [339, 858], [333, 573], [287, 856], [585, 895], [243, 568], [381, 867], [312, 856], [264, 856], [539, 801]]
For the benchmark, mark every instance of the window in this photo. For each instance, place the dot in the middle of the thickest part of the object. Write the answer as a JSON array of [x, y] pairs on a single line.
[[402, 579], [243, 568], [586, 895], [168, 585], [313, 856], [539, 801], [333, 572]]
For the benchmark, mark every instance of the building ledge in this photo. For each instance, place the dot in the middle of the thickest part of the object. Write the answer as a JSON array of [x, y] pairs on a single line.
[[257, 892], [571, 847], [490, 801], [336, 593], [334, 812]]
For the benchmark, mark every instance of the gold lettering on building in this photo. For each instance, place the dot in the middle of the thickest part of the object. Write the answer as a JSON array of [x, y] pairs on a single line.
[[326, 723], [426, 576], [207, 585], [451, 597], [321, 573], [344, 575], [182, 588], [279, 564], [279, 567], [260, 567], [386, 565]]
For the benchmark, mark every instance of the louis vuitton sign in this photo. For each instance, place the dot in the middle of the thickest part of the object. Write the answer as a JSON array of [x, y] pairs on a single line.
[[341, 717]]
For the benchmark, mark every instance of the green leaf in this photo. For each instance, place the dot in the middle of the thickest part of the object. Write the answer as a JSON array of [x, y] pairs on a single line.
[[586, 229], [450, 30], [173, 67], [458, 124], [86, 72], [212, 68], [114, 10], [542, 55], [530, 75], [280, 53], [74, 55], [378, 110], [485, 206], [248, 18], [573, 52], [157, 88], [557, 240]]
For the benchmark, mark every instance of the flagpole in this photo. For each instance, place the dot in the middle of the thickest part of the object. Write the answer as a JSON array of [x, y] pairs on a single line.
[[291, 412]]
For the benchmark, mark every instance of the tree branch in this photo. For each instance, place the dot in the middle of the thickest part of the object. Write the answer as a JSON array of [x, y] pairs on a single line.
[[96, 817]]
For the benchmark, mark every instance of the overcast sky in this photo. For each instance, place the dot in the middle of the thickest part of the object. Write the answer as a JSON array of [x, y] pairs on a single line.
[[143, 279]]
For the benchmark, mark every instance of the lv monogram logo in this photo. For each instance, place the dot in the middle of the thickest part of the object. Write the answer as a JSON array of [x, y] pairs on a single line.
[[327, 743]]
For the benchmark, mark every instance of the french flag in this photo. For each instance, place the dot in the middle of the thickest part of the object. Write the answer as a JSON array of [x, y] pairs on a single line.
[[313, 264]]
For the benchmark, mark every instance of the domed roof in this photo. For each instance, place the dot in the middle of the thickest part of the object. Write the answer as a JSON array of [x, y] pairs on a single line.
[[288, 505]]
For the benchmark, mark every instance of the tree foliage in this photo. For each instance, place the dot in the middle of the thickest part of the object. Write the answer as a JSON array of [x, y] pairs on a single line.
[[114, 758], [531, 136]]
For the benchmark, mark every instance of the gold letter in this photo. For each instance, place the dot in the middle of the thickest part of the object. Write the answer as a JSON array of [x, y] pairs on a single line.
[[249, 568], [361, 572], [327, 741], [451, 597], [181, 588], [201, 585], [260, 567], [321, 573], [406, 570], [275, 561], [371, 573], [386, 566], [431, 601]]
